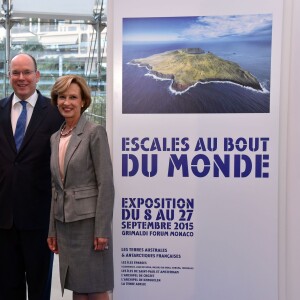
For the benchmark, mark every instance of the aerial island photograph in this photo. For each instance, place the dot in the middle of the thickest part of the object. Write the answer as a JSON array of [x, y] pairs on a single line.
[[208, 64]]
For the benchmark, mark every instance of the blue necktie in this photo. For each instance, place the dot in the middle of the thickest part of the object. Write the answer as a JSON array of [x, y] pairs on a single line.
[[21, 125]]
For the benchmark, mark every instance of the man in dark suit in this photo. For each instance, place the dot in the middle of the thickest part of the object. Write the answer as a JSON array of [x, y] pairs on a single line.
[[25, 186]]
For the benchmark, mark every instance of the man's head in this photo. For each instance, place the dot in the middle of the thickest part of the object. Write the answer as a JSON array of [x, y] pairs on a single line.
[[23, 75]]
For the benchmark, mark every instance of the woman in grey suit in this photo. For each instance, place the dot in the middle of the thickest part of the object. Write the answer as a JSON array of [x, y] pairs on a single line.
[[82, 195]]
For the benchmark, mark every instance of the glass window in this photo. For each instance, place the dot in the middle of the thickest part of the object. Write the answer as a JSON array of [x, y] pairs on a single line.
[[61, 47]]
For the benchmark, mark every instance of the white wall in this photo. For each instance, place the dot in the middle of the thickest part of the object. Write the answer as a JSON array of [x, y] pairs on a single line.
[[293, 157]]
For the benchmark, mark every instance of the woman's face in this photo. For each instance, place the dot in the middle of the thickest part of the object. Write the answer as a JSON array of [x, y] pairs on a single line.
[[70, 103]]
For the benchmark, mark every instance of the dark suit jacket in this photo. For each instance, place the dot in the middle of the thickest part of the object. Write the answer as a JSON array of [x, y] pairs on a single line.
[[25, 179]]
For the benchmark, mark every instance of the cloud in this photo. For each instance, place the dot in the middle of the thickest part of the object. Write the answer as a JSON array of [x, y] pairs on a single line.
[[222, 26]]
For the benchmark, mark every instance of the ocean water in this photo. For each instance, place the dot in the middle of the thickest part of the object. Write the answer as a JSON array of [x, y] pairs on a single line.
[[144, 94]]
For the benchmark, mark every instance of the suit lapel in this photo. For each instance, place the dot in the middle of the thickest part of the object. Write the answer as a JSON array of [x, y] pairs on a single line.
[[39, 114], [6, 121], [74, 142]]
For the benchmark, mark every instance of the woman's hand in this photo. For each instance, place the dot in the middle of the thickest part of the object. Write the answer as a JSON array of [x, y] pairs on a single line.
[[52, 244], [100, 244]]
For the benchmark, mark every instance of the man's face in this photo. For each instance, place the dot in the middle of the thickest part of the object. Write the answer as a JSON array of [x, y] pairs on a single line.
[[22, 76]]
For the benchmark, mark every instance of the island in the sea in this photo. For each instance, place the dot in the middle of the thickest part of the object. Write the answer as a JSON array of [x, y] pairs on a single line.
[[188, 66]]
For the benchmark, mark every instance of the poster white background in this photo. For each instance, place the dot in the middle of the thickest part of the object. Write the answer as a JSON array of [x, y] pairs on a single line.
[[234, 251]]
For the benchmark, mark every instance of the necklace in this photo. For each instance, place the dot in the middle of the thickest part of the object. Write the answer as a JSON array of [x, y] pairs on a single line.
[[67, 133]]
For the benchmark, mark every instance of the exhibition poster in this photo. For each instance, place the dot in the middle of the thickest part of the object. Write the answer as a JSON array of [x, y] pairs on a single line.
[[195, 149]]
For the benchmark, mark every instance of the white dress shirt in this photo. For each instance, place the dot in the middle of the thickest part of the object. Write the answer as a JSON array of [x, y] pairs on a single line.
[[16, 109]]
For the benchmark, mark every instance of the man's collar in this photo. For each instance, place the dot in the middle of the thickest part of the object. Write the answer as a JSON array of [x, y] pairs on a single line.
[[31, 100]]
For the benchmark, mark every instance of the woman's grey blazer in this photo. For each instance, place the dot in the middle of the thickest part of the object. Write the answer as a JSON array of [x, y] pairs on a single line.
[[87, 190]]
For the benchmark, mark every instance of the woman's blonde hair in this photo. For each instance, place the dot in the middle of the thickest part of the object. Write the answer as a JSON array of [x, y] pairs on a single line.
[[64, 82]]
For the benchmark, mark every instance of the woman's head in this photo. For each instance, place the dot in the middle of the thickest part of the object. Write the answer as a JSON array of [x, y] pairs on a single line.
[[64, 83]]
